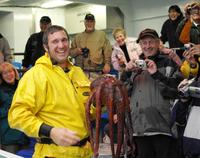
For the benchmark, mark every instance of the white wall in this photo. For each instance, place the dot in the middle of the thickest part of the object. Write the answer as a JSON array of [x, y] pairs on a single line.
[[75, 17], [7, 26], [150, 14], [16, 27], [20, 23], [57, 16], [138, 14]]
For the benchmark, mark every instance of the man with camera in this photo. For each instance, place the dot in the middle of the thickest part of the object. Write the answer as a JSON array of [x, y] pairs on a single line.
[[152, 89], [189, 28], [91, 49]]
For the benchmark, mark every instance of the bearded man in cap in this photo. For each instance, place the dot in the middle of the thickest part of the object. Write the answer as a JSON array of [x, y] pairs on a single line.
[[34, 46], [91, 49], [152, 89]]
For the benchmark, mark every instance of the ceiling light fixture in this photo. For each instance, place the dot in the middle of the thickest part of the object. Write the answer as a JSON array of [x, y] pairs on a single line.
[[3, 1], [55, 3]]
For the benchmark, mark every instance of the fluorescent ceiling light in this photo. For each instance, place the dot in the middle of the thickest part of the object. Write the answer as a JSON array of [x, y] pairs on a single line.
[[55, 3], [3, 1]]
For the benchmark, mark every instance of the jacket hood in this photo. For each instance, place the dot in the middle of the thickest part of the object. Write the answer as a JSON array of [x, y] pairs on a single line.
[[45, 60]]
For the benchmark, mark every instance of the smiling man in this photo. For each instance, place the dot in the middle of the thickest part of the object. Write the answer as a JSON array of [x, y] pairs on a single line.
[[96, 45], [150, 100], [49, 102]]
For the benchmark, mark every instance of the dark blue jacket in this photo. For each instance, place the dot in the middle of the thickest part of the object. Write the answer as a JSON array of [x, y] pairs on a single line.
[[191, 146], [8, 136]]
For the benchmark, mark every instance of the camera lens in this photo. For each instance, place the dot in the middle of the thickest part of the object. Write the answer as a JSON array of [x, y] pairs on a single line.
[[85, 52]]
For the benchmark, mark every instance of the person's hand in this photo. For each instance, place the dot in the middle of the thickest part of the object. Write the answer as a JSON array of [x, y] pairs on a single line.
[[64, 137], [120, 59], [106, 69], [195, 50], [186, 10], [79, 51], [161, 46], [171, 54], [131, 66], [24, 69], [182, 84], [189, 57], [151, 66]]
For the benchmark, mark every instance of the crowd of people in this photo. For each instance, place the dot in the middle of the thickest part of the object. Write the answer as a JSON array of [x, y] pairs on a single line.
[[48, 102]]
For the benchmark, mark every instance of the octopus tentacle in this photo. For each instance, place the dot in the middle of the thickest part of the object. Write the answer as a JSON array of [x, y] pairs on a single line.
[[121, 115], [88, 118], [110, 110], [108, 91], [98, 118], [128, 123]]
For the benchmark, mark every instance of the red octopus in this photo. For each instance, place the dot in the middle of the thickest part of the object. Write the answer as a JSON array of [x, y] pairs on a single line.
[[110, 92]]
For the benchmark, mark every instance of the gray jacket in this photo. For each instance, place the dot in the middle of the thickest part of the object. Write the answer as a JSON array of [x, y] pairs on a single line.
[[150, 99], [5, 49]]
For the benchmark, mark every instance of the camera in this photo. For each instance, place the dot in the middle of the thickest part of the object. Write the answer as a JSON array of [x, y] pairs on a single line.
[[186, 47], [141, 64], [186, 90], [191, 91], [85, 52]]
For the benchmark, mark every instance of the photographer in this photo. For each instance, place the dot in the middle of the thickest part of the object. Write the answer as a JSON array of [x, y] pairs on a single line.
[[152, 89], [91, 49], [189, 93], [190, 66], [188, 29], [187, 114]]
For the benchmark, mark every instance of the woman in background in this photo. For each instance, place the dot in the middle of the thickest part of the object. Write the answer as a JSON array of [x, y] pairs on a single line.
[[11, 140], [125, 50]]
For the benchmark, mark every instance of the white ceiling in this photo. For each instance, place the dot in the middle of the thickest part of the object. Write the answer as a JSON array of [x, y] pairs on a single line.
[[24, 3]]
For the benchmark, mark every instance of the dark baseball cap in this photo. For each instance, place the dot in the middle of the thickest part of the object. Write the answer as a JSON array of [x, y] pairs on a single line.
[[89, 17], [45, 19], [147, 33]]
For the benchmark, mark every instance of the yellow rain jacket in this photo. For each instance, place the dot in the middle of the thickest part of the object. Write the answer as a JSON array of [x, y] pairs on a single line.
[[187, 71], [46, 94]]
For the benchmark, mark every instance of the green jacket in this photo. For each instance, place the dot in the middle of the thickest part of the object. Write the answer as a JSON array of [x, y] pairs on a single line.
[[194, 32], [8, 136]]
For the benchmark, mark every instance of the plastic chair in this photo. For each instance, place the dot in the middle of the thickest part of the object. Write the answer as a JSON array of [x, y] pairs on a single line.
[[18, 66], [28, 153]]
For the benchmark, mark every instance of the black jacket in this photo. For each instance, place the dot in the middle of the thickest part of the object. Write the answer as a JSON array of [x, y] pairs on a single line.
[[168, 34], [33, 50]]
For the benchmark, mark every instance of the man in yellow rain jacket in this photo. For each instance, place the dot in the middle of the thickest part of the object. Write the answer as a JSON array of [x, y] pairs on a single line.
[[49, 102]]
